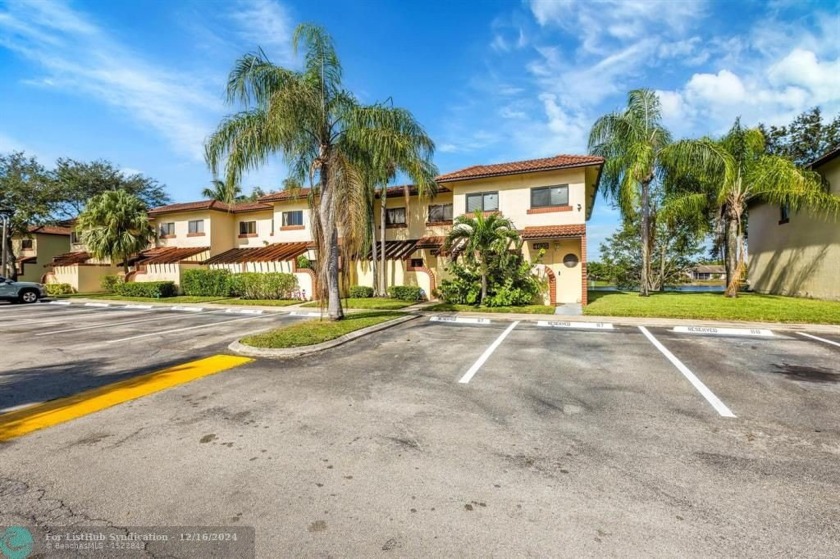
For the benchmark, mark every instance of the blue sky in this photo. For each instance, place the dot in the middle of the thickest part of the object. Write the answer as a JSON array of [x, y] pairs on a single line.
[[140, 83]]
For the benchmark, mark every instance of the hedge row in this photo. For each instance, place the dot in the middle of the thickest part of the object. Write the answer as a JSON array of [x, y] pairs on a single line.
[[153, 289], [250, 285], [360, 292], [207, 283], [405, 292], [54, 289]]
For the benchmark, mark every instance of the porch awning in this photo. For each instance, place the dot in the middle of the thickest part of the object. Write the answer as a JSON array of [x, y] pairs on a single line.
[[394, 250], [554, 232], [168, 255], [277, 252], [70, 258]]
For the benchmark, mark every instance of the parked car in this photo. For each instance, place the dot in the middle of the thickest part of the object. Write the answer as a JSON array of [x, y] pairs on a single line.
[[21, 291]]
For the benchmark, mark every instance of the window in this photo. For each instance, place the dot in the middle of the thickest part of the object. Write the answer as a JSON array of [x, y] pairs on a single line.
[[416, 263], [196, 227], [167, 229], [395, 216], [74, 238], [483, 202], [247, 227], [26, 244], [293, 219], [440, 213], [784, 215], [549, 196]]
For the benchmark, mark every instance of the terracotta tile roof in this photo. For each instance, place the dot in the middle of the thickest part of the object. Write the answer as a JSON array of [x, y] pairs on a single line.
[[297, 194], [825, 158], [205, 205], [412, 190], [276, 252], [394, 250], [528, 166], [50, 230], [554, 231], [431, 242], [168, 255], [70, 258], [250, 207]]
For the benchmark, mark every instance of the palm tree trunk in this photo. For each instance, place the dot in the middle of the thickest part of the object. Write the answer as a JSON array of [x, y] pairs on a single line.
[[383, 283], [662, 251], [330, 232], [374, 256], [644, 288], [733, 244]]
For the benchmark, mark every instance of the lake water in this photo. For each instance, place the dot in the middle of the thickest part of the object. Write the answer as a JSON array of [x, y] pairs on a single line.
[[685, 288]]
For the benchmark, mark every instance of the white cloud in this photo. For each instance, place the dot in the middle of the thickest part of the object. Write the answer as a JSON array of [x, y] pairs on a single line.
[[266, 24]]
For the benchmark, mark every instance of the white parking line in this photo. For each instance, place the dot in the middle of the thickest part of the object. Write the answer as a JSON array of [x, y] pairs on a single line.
[[183, 329], [64, 303], [57, 318], [299, 313], [710, 397], [97, 305], [187, 309], [487, 353], [243, 311], [460, 319], [97, 325], [823, 340]]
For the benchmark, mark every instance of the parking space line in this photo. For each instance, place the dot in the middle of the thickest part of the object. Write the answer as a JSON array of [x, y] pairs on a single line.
[[460, 319], [97, 325], [487, 353], [184, 329], [61, 410], [823, 340], [710, 397], [56, 317]]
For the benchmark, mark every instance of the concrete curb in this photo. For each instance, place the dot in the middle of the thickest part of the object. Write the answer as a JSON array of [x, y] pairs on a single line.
[[286, 353]]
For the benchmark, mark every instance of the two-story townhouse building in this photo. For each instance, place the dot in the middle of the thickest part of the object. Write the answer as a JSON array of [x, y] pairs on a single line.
[[37, 248], [797, 253]]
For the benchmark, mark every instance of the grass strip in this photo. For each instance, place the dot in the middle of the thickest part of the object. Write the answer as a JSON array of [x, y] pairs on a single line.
[[750, 307], [311, 332]]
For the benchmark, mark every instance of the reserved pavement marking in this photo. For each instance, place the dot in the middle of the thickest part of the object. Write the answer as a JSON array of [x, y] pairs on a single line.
[[65, 303], [182, 329], [583, 325], [823, 340], [300, 313], [97, 305], [710, 397], [187, 309], [143, 307], [487, 353], [723, 331], [460, 319], [61, 410], [243, 311], [98, 325]]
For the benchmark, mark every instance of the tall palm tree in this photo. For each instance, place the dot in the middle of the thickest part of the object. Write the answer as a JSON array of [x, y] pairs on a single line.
[[115, 225], [639, 154], [746, 173], [323, 134], [221, 192], [480, 239]]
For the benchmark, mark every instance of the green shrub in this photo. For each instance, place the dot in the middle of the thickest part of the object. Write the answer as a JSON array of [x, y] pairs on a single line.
[[303, 261], [151, 289], [54, 289], [207, 283], [405, 292], [109, 283], [360, 292], [253, 285]]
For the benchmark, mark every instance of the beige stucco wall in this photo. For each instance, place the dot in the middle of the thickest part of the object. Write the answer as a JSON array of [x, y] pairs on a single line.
[[417, 212], [181, 221], [569, 286], [265, 231], [801, 257], [44, 247], [515, 196], [84, 278], [292, 235]]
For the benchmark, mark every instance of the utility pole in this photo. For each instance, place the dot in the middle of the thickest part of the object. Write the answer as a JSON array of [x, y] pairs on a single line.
[[4, 261]]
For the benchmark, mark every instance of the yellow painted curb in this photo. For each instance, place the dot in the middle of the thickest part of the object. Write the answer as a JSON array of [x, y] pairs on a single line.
[[24, 421]]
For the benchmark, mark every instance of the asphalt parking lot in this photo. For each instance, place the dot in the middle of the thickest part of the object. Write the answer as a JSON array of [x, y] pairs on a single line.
[[442, 439]]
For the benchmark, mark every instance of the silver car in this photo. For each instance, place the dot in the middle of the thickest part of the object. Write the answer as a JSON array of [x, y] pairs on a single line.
[[21, 291]]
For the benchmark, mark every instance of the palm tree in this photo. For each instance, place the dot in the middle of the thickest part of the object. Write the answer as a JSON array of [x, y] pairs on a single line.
[[115, 225], [480, 239], [746, 174], [220, 191], [322, 132], [639, 155]]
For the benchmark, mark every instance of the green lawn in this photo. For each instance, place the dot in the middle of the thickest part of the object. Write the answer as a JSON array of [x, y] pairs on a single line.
[[526, 309], [263, 302], [714, 306], [313, 332], [374, 303]]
